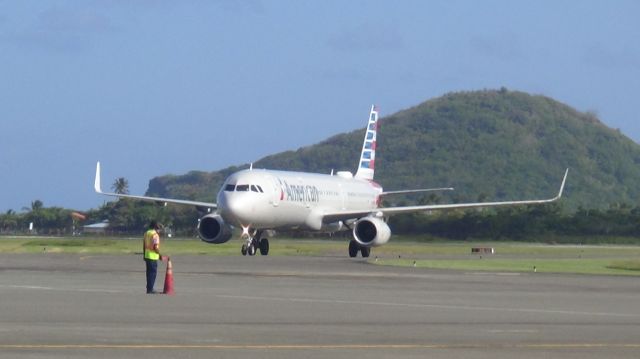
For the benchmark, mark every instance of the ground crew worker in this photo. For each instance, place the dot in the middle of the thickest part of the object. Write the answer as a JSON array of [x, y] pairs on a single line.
[[151, 246]]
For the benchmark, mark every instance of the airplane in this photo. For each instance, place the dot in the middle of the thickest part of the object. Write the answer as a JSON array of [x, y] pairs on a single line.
[[261, 201]]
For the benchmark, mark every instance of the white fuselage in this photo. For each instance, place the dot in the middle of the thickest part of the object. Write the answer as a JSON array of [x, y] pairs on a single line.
[[267, 199]]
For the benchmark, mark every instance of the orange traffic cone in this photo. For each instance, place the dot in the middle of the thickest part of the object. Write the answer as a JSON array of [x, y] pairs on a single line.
[[168, 279]]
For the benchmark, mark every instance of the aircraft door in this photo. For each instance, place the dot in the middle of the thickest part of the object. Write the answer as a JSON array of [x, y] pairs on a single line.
[[305, 194], [278, 192]]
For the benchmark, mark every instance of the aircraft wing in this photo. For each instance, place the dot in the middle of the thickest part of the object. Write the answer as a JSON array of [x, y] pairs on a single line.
[[160, 200], [417, 190], [383, 212]]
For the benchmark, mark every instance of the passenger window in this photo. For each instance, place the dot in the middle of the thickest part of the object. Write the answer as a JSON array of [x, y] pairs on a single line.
[[230, 187], [242, 188]]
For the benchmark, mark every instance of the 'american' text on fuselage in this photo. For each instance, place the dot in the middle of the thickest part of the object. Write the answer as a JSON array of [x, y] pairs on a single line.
[[300, 193]]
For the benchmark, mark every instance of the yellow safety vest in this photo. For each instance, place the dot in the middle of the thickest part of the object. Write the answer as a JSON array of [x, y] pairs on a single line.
[[149, 252]]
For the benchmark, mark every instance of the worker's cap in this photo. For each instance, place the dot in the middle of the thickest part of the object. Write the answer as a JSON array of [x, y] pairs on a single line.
[[155, 225]]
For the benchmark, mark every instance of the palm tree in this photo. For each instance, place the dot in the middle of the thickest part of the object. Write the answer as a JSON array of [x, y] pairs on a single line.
[[35, 213], [37, 205], [120, 186]]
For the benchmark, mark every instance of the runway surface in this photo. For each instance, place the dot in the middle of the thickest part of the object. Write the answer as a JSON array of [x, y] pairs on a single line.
[[67, 306]]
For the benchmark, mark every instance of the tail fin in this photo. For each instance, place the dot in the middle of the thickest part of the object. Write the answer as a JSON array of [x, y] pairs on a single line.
[[368, 154]]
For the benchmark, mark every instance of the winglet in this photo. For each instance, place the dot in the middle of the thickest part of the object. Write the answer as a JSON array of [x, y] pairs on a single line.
[[563, 182], [163, 201], [96, 185]]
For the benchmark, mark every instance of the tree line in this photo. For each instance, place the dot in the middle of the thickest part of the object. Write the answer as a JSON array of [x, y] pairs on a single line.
[[129, 217], [125, 217], [549, 222]]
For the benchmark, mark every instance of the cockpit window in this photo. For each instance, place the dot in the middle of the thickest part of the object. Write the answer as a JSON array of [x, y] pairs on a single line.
[[242, 188]]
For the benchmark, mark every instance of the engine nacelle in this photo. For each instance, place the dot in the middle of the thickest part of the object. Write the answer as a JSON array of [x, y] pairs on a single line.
[[213, 229], [371, 232]]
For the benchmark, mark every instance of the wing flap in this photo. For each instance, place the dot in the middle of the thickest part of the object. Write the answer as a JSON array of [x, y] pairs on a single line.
[[417, 190]]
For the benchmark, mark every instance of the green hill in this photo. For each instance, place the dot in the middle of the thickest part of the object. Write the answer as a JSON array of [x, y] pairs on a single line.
[[489, 145]]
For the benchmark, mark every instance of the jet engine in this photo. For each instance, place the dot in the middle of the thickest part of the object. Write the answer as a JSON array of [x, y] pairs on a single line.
[[371, 232], [212, 229]]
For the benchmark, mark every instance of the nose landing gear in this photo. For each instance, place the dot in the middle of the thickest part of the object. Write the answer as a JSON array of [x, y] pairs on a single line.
[[253, 243]]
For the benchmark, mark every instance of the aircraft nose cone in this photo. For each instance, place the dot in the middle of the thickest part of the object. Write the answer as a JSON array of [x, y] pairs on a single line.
[[239, 208]]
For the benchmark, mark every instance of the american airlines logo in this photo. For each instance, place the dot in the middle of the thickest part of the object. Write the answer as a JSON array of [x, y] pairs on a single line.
[[300, 193]]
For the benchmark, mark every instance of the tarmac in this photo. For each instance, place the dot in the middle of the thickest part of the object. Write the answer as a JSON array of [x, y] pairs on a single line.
[[75, 306]]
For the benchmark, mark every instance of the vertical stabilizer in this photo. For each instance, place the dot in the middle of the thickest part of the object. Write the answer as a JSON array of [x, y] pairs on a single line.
[[366, 165]]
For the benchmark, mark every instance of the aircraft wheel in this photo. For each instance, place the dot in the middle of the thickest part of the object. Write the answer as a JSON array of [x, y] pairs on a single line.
[[251, 250], [365, 251], [243, 250], [353, 248], [264, 246]]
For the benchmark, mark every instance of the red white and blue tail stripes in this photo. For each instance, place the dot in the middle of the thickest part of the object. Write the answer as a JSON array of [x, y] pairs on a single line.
[[366, 165]]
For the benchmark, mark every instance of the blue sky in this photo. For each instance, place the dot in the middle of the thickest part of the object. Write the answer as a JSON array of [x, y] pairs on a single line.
[[157, 87]]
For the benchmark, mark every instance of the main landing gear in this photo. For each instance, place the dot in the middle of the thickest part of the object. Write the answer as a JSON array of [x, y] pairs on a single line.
[[354, 248], [255, 243]]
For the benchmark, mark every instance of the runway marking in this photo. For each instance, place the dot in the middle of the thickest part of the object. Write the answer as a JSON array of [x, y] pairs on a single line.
[[321, 346], [504, 274], [438, 306], [353, 302], [26, 287], [513, 331], [37, 287]]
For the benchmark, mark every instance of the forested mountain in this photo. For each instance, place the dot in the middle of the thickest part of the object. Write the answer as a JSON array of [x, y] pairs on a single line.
[[489, 145]]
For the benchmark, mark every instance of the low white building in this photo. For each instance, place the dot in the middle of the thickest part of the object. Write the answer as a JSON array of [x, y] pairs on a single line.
[[100, 227]]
